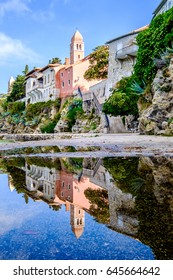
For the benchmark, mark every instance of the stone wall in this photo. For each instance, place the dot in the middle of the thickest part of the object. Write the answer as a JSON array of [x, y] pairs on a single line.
[[119, 68], [158, 117]]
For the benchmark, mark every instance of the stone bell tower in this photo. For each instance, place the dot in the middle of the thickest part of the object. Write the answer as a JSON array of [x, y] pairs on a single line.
[[76, 48]]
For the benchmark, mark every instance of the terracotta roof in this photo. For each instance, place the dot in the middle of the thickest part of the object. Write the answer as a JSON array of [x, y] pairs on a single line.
[[78, 232], [50, 66], [32, 71], [30, 76]]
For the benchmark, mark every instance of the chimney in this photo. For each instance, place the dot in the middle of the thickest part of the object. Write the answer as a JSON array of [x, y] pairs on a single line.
[[67, 61]]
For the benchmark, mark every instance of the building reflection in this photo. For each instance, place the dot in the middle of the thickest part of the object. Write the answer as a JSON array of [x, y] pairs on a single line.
[[61, 187], [131, 196]]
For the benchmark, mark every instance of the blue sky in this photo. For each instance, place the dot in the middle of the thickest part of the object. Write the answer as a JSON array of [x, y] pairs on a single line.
[[34, 31]]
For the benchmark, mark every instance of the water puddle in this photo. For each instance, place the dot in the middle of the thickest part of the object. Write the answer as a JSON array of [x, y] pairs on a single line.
[[86, 208]]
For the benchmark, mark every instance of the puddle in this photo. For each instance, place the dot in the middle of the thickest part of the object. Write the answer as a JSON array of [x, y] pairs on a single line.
[[86, 208]]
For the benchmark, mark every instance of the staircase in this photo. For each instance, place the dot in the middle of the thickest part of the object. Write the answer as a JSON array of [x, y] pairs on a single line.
[[99, 108]]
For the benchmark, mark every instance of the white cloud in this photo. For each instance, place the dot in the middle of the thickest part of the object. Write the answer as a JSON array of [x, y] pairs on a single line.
[[13, 49], [18, 6], [21, 6], [8, 221]]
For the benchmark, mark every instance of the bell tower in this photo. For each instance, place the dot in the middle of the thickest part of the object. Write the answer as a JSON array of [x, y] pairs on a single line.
[[76, 48], [77, 220]]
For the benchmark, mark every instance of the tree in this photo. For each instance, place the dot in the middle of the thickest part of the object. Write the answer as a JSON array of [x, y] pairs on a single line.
[[98, 68], [99, 207], [55, 60], [25, 72], [122, 101], [18, 91]]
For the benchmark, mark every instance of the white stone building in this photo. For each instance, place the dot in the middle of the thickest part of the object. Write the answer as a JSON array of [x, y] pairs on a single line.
[[122, 57], [41, 180], [164, 6], [40, 84]]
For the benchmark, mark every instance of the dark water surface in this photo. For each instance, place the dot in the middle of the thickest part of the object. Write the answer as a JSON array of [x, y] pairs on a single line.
[[86, 208]]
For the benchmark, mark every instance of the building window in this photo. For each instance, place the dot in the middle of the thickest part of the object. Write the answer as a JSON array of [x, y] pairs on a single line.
[[62, 74], [69, 187], [48, 190], [62, 84], [45, 80], [79, 212], [48, 78], [79, 56], [52, 75], [68, 82], [62, 184], [62, 194]]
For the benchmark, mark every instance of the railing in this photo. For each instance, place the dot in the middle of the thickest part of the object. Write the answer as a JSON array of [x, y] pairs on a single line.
[[96, 102], [98, 163], [79, 92], [37, 85]]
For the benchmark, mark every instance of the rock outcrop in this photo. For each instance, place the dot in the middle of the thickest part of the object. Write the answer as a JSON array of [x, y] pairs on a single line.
[[158, 117]]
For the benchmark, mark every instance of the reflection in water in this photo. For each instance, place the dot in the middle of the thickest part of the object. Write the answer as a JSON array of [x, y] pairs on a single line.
[[131, 196]]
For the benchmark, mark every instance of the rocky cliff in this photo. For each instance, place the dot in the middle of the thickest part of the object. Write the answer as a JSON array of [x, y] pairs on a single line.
[[157, 118]]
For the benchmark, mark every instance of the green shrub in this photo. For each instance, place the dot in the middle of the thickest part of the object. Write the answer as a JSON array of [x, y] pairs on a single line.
[[16, 107], [57, 117], [48, 127], [122, 100], [39, 108], [74, 110], [153, 43], [57, 103]]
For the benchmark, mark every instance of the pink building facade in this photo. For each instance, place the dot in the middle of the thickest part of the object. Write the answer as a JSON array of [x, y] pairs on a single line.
[[60, 81], [71, 77]]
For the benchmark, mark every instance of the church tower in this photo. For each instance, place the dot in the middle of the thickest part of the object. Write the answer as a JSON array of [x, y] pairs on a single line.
[[10, 84], [76, 48], [77, 222]]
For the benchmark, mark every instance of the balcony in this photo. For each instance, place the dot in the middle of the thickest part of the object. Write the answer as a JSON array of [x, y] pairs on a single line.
[[126, 52]]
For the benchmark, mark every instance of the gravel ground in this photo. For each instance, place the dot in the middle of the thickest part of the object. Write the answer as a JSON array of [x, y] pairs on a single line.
[[101, 144]]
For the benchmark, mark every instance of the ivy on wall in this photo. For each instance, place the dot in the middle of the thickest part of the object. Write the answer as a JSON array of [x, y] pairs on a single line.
[[153, 43]]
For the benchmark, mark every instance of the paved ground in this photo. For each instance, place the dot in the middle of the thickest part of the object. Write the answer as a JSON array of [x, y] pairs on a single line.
[[109, 144]]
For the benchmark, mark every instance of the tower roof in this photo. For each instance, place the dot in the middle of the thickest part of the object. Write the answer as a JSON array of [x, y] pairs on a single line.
[[77, 36], [78, 231], [11, 79]]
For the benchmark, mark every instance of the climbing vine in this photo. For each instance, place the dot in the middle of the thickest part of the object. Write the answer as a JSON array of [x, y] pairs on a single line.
[[153, 43]]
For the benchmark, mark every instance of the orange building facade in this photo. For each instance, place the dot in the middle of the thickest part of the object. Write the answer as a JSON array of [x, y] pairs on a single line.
[[70, 78]]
